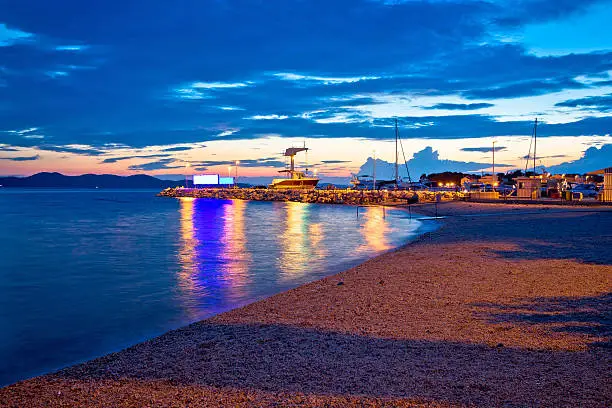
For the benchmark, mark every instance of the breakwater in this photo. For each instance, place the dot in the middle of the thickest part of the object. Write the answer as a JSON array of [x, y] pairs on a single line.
[[348, 197]]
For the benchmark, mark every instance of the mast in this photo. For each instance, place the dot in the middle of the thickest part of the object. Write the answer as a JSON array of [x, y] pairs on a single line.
[[535, 145], [374, 172], [396, 158], [494, 176]]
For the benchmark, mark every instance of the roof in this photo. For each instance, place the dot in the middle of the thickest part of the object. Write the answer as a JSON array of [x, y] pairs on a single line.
[[607, 170]]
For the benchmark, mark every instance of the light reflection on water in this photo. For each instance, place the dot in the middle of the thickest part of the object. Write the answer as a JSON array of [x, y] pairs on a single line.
[[85, 273], [233, 252]]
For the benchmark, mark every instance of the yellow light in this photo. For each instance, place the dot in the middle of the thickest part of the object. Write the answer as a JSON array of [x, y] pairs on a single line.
[[440, 184], [495, 184], [452, 184]]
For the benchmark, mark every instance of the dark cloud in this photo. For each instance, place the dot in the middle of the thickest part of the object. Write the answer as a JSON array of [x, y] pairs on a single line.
[[75, 150], [524, 88], [334, 161], [120, 158], [177, 149], [460, 106], [120, 88], [601, 103], [156, 165], [263, 162], [21, 158], [485, 149]]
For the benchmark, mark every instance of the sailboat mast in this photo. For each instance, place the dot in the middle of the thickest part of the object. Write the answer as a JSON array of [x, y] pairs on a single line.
[[535, 145], [374, 172], [396, 157]]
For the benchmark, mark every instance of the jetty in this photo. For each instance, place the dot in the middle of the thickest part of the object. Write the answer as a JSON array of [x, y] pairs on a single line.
[[347, 197]]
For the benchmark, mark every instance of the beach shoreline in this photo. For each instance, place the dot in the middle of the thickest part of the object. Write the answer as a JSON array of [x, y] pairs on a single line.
[[498, 307]]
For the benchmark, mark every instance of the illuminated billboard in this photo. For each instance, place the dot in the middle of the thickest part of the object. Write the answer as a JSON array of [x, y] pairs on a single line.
[[226, 180], [206, 180]]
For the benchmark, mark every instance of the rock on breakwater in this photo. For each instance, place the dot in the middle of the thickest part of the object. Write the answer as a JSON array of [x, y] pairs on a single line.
[[349, 197]]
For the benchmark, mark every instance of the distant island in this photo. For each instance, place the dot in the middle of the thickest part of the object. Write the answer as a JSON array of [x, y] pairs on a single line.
[[58, 180]]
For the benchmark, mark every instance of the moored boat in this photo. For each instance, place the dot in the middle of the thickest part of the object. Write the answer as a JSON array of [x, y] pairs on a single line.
[[296, 180]]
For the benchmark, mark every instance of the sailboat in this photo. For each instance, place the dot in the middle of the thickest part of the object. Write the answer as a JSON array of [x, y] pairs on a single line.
[[371, 182], [296, 180]]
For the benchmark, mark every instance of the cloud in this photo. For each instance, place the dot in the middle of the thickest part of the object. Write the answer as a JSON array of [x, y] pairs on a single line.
[[524, 88], [230, 108], [460, 106], [219, 85], [121, 158], [228, 132], [600, 103], [325, 80], [11, 36], [162, 164], [485, 149], [23, 131], [177, 148], [21, 158], [197, 90], [334, 161], [591, 160], [57, 74], [426, 161], [268, 117], [261, 162], [75, 149], [157, 82], [71, 48]]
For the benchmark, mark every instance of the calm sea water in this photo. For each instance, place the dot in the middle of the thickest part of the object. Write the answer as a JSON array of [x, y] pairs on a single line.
[[84, 273]]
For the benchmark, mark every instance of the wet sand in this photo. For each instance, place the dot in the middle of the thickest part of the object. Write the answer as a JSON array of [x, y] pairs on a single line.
[[503, 306]]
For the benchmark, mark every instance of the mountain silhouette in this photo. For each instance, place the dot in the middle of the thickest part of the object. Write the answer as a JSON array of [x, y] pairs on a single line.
[[58, 180]]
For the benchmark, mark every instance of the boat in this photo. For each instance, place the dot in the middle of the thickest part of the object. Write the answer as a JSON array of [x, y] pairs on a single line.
[[295, 180], [396, 183]]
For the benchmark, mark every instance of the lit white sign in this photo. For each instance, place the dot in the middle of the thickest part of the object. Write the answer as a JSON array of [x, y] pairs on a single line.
[[206, 179]]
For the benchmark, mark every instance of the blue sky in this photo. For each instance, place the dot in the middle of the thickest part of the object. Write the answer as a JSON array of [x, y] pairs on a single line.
[[170, 87]]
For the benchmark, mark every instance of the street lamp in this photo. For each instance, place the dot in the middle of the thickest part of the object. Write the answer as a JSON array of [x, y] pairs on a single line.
[[187, 166], [494, 177], [236, 181]]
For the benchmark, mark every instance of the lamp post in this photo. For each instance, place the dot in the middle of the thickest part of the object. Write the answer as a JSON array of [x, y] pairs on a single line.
[[494, 177], [374, 172], [186, 174], [236, 181]]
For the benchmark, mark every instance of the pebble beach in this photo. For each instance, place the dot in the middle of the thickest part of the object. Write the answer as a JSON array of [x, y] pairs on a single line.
[[503, 306]]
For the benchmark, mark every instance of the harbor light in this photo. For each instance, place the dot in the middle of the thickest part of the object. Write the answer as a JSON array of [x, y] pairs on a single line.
[[236, 177], [440, 185]]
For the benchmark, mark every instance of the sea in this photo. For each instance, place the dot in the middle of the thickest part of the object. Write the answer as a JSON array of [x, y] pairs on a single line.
[[88, 272]]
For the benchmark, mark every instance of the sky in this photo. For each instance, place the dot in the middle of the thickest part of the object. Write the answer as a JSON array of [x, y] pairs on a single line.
[[191, 86]]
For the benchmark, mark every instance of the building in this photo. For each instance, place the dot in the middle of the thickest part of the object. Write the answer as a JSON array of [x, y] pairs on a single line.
[[529, 187], [490, 179], [607, 186]]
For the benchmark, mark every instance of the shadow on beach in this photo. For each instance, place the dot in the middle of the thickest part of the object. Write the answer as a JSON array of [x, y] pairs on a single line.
[[591, 316], [538, 232], [278, 358]]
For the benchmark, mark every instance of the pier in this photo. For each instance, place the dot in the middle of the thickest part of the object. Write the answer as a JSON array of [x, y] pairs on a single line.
[[348, 197]]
